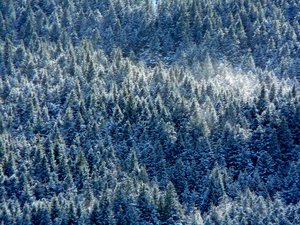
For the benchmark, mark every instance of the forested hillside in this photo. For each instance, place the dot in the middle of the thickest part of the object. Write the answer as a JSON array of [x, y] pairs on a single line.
[[149, 112]]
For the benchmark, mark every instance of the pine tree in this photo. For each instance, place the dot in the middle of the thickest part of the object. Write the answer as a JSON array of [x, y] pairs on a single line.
[[81, 170], [195, 217], [26, 219], [62, 168], [215, 189], [41, 170], [171, 211], [26, 195], [102, 213], [41, 215], [11, 186], [285, 141], [72, 215], [123, 207], [265, 165], [8, 58], [2, 150], [146, 207], [9, 167], [133, 166], [291, 193], [55, 210], [90, 73], [6, 215], [296, 125], [55, 31], [263, 100], [2, 27]]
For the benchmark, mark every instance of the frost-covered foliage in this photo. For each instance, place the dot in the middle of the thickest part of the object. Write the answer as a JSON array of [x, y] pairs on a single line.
[[129, 112]]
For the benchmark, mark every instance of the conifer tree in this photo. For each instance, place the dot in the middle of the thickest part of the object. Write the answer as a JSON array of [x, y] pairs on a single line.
[[9, 167], [146, 207], [171, 210], [285, 141], [7, 58], [102, 213]]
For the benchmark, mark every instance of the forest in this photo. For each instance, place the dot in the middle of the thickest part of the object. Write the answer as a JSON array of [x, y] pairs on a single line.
[[166, 112]]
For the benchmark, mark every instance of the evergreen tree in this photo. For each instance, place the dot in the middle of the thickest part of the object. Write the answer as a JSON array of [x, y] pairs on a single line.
[[55, 210], [296, 125], [285, 141], [2, 27], [41, 170], [102, 213], [215, 189], [81, 171], [26, 220], [262, 103], [9, 167], [41, 215], [2, 150], [72, 215], [8, 58], [146, 207], [171, 211]]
